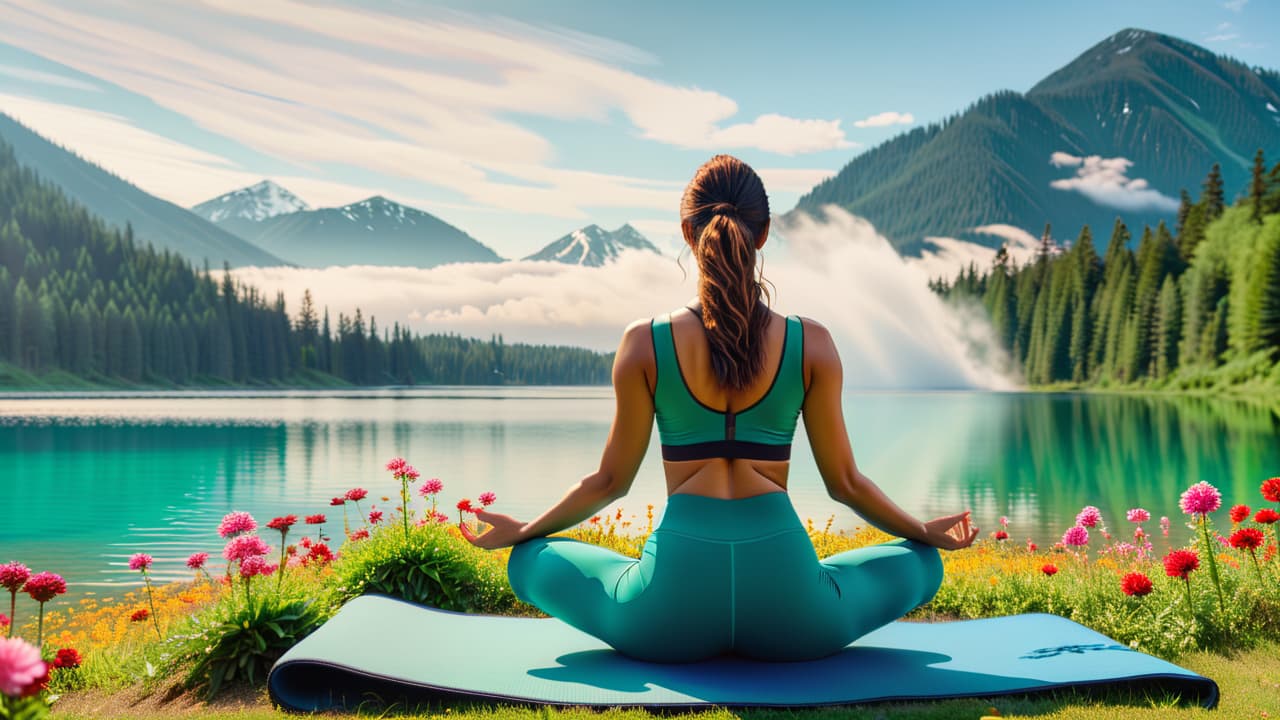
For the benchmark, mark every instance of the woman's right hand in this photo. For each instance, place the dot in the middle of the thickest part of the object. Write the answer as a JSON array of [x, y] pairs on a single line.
[[951, 532]]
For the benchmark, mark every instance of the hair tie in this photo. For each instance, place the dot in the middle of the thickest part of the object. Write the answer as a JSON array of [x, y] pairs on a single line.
[[724, 208]]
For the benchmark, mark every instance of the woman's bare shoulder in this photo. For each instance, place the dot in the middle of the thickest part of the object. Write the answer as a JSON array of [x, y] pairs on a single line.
[[818, 345]]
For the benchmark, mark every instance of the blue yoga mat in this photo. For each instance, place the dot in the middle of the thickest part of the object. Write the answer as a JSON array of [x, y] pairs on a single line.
[[377, 646]]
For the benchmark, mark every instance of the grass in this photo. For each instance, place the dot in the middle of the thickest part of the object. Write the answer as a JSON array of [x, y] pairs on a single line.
[[1249, 683]]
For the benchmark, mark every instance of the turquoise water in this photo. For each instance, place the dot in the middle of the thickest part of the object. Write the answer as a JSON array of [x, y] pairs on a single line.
[[88, 481]]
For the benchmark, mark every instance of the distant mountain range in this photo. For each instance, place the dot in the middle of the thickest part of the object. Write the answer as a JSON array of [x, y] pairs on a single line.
[[159, 222], [594, 246], [1168, 108], [374, 231]]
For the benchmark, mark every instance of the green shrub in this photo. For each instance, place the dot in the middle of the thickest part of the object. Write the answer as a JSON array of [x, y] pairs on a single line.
[[432, 566], [239, 637]]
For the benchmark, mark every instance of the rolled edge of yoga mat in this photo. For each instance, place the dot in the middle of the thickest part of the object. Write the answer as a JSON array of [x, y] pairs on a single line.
[[385, 649]]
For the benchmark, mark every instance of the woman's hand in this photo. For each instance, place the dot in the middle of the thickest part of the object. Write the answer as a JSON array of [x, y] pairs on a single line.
[[503, 531], [951, 532]]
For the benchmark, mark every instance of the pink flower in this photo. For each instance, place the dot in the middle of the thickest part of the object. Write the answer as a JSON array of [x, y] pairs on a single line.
[[139, 561], [255, 565], [1164, 525], [283, 523], [1089, 517], [1031, 547], [4, 620], [197, 560], [439, 517], [395, 465], [338, 501], [13, 576], [1076, 536], [1138, 515], [375, 517], [236, 523], [357, 494], [295, 561], [431, 487], [487, 498], [409, 472], [20, 667], [45, 586], [1004, 521], [1201, 499], [244, 547]]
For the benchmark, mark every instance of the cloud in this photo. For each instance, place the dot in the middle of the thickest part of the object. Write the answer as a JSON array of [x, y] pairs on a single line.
[[45, 78], [798, 180], [949, 256], [1222, 37], [891, 330], [1021, 243], [885, 119], [1235, 5], [1105, 181], [430, 100]]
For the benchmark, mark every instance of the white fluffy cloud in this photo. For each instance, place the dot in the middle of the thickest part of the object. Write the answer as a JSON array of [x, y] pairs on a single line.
[[429, 100], [1106, 182], [885, 119]]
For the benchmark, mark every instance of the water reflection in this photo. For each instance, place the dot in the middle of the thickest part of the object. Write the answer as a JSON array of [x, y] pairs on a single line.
[[90, 481]]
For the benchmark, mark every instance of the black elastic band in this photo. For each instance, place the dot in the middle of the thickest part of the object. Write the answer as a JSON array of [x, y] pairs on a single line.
[[732, 449]]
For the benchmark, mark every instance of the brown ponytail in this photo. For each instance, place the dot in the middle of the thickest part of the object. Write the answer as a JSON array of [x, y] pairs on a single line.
[[723, 213]]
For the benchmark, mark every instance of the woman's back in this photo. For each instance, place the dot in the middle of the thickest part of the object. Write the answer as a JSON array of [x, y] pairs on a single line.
[[717, 441]]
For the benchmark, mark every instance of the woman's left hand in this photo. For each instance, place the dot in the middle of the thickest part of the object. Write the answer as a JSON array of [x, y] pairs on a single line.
[[503, 531]]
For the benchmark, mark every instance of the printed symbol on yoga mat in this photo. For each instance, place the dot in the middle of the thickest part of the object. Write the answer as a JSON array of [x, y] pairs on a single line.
[[1049, 652]]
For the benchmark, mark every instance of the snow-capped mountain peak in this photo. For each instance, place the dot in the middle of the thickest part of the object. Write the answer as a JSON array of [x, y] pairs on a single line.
[[254, 203], [593, 246]]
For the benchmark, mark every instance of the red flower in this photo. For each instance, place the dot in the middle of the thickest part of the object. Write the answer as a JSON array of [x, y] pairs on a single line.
[[1031, 547], [1266, 516], [1136, 584], [283, 523], [395, 465], [1002, 535], [1049, 569], [1247, 539], [357, 494], [338, 501], [4, 620], [360, 534], [68, 658], [315, 519], [1271, 489], [464, 505], [1239, 513], [487, 498], [375, 517], [38, 685], [45, 586], [320, 553], [140, 615], [1180, 563]]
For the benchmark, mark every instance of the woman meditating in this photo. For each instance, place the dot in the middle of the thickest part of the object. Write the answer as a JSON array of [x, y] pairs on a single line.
[[730, 567]]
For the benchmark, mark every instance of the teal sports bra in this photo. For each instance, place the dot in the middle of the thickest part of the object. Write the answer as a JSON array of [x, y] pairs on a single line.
[[690, 430]]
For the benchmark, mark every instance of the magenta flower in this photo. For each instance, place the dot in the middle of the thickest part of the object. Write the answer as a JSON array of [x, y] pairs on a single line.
[[244, 547], [13, 576], [357, 494], [487, 498], [255, 565], [410, 472], [1076, 536], [431, 487], [375, 517], [1138, 515], [237, 523], [439, 517], [396, 465], [45, 586], [139, 561], [20, 667], [197, 560], [1089, 517], [1201, 499]]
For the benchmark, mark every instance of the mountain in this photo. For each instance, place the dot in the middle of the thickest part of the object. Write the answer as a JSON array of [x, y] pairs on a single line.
[[375, 231], [155, 221], [240, 210], [1161, 108], [593, 246]]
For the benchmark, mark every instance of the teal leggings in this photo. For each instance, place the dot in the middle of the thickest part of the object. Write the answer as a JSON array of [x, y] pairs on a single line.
[[725, 576]]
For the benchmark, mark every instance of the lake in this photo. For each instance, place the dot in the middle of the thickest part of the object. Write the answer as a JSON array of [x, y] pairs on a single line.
[[90, 480]]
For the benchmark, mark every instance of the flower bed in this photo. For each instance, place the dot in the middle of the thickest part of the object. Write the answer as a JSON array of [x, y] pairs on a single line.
[[1217, 592]]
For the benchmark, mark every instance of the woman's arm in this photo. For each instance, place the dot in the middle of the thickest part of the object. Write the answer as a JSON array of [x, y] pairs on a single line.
[[624, 451], [824, 423]]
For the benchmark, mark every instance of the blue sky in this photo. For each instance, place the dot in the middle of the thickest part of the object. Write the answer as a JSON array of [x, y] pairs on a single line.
[[521, 121]]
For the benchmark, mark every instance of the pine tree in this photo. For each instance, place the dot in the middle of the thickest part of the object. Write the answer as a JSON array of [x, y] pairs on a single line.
[[1168, 327], [1213, 198], [1257, 187]]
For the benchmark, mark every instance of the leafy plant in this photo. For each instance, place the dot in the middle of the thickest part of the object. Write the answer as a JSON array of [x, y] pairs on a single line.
[[239, 638], [431, 565]]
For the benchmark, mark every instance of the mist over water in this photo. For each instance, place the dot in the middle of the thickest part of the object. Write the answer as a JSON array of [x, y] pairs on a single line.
[[891, 330]]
